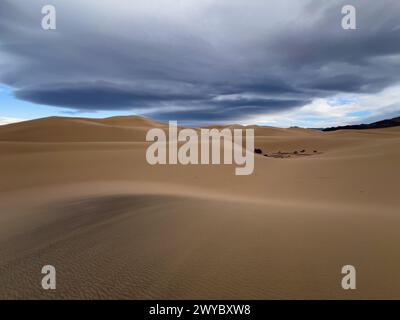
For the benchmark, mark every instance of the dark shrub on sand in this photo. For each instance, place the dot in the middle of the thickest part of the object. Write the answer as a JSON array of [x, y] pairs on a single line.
[[259, 151]]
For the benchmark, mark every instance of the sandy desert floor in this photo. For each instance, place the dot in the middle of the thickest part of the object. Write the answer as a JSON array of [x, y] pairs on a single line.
[[78, 194]]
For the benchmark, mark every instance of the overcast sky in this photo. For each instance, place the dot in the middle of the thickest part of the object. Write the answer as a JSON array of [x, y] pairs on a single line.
[[281, 63]]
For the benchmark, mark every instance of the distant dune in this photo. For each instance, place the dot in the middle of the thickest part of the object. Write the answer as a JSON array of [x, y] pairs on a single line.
[[65, 129], [78, 194]]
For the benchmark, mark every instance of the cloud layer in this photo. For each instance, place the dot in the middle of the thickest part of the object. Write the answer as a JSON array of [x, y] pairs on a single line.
[[199, 61]]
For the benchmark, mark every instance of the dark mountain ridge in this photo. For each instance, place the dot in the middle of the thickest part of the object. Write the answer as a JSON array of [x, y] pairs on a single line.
[[387, 123]]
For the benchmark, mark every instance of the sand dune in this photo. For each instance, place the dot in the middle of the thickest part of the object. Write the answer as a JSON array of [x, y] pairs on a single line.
[[59, 129], [78, 193]]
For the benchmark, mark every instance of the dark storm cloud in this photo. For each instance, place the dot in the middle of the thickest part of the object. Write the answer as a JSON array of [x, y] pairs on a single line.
[[228, 110], [196, 61], [267, 104], [325, 41], [350, 83], [98, 96]]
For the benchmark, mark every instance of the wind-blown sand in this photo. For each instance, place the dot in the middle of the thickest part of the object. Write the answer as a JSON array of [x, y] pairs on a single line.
[[78, 194]]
